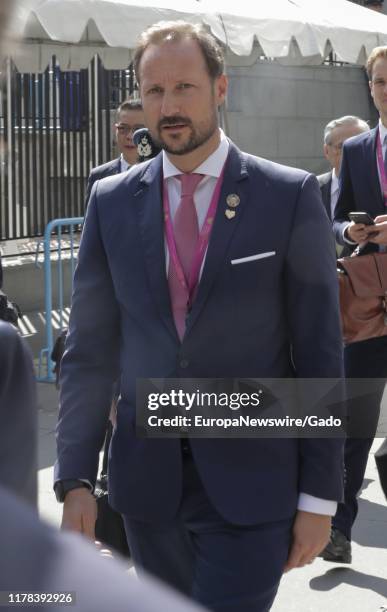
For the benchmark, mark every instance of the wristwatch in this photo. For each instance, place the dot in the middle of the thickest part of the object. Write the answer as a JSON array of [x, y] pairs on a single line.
[[62, 487]]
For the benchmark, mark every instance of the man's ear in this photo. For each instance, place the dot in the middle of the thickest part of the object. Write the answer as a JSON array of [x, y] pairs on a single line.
[[221, 86]]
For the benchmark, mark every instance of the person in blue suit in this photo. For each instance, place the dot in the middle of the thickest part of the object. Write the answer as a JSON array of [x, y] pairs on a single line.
[[220, 519], [361, 189]]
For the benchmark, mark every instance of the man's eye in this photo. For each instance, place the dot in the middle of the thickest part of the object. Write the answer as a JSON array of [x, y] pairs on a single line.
[[154, 90], [184, 85]]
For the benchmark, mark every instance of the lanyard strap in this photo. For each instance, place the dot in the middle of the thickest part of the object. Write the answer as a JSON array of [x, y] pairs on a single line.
[[203, 240], [382, 170]]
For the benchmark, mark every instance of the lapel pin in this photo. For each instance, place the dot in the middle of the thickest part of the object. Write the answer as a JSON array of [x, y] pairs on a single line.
[[233, 200], [229, 213]]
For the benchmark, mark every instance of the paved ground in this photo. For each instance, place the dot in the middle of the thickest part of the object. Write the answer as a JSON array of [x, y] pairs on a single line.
[[321, 587]]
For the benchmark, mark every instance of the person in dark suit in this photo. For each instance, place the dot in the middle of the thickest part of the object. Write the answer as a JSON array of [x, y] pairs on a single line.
[[129, 118], [336, 132], [18, 414], [361, 189], [220, 519]]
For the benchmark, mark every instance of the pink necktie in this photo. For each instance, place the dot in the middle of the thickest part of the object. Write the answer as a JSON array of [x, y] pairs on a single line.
[[186, 233]]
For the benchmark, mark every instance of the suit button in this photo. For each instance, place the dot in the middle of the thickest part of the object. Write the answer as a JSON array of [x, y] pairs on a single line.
[[184, 363]]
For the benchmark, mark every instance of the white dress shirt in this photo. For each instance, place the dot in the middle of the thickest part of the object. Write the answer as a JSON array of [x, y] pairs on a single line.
[[383, 137], [334, 192], [212, 168], [124, 164]]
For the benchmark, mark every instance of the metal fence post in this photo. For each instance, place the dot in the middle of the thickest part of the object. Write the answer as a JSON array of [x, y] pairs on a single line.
[[45, 354]]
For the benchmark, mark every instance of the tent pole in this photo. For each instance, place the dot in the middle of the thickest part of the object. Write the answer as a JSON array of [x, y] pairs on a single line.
[[96, 109], [9, 143]]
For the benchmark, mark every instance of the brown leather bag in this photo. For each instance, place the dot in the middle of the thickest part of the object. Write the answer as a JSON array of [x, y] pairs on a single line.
[[363, 296]]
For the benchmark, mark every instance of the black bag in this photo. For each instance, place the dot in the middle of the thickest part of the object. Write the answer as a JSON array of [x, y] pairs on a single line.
[[381, 464], [109, 527], [9, 311], [57, 354]]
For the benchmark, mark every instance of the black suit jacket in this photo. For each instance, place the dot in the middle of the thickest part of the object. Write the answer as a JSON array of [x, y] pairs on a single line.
[[100, 172], [325, 182]]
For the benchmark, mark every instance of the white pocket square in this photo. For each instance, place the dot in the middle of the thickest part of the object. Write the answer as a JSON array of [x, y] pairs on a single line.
[[252, 258]]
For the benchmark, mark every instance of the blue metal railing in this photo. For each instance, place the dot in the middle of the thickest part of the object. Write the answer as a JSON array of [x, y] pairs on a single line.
[[45, 362]]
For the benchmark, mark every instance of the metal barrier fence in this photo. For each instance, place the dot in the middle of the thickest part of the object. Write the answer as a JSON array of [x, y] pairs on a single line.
[[45, 372], [54, 127]]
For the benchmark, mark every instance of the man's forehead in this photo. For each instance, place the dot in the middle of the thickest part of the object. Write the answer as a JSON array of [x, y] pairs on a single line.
[[380, 67], [181, 52], [128, 116]]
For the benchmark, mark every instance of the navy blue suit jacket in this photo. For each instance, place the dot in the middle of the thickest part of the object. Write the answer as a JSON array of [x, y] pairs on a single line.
[[359, 181], [274, 317], [108, 169], [18, 415]]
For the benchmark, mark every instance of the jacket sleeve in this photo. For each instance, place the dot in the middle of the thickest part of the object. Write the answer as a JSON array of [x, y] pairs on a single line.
[[346, 200], [315, 331], [90, 362]]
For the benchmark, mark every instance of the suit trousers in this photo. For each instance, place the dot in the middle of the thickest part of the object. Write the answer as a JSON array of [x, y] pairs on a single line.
[[366, 360], [224, 567]]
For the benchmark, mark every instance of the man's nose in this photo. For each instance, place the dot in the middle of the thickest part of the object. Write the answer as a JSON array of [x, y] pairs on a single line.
[[169, 105]]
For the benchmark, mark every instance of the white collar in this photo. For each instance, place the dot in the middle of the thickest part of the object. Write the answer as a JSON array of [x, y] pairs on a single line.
[[212, 166], [382, 131], [335, 180], [124, 163]]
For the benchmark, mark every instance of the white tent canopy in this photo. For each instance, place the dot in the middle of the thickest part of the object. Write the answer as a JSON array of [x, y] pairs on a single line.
[[292, 31]]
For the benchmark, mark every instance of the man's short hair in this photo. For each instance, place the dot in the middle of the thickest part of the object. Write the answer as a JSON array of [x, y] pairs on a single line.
[[128, 105], [374, 55], [341, 121], [165, 31]]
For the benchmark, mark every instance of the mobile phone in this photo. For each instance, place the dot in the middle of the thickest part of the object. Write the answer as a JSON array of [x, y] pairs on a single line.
[[361, 217]]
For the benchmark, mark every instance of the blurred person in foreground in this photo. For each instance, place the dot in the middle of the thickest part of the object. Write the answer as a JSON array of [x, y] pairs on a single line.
[[192, 265]]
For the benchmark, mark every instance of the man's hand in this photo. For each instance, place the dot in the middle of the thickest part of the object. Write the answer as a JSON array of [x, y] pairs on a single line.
[[358, 232], [80, 512], [380, 229], [311, 534]]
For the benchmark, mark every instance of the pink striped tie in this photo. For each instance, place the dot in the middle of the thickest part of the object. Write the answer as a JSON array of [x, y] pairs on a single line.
[[186, 233]]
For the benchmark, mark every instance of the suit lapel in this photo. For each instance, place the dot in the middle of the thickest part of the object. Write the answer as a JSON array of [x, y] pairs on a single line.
[[326, 195], [233, 183], [370, 155], [150, 215]]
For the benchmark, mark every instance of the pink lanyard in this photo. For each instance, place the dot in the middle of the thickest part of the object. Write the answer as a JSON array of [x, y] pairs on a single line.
[[382, 171], [203, 240]]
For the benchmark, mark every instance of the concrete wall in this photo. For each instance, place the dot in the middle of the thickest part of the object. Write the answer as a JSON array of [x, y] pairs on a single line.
[[280, 112]]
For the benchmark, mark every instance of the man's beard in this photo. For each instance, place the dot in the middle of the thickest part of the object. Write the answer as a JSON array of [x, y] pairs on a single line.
[[199, 135]]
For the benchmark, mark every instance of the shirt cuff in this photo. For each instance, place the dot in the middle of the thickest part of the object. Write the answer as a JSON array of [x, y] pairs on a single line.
[[316, 505], [347, 240]]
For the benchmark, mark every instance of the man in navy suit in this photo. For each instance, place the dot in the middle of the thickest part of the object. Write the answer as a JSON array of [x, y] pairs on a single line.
[[336, 132], [129, 118], [361, 189], [220, 519]]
